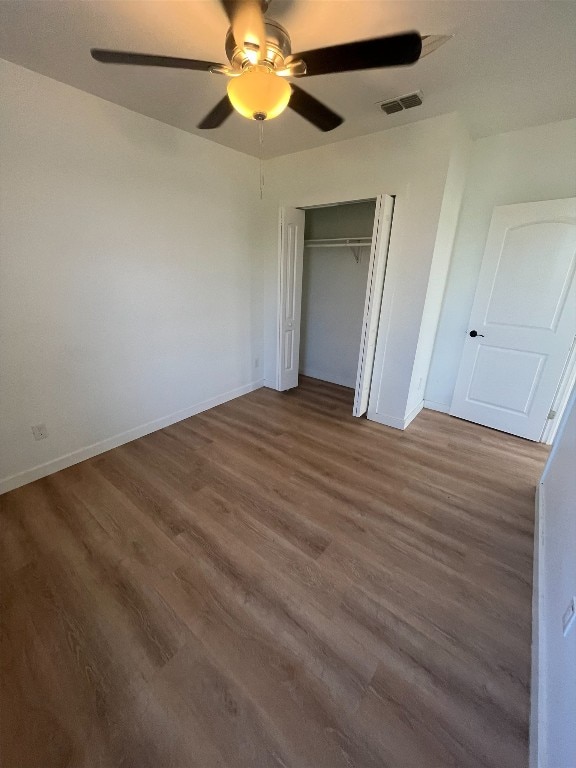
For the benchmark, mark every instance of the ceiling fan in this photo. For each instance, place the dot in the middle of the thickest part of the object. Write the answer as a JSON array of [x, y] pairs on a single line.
[[260, 61]]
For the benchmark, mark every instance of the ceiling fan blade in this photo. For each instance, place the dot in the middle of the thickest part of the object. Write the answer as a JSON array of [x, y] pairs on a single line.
[[150, 60], [431, 43], [313, 110], [247, 22], [392, 51], [216, 117]]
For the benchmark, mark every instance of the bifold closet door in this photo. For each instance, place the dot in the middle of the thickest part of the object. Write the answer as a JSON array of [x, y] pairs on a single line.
[[290, 296], [373, 301]]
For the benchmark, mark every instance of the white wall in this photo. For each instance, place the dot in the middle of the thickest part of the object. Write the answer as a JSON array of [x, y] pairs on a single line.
[[136, 282], [553, 734], [129, 293], [522, 166], [412, 163], [350, 220], [447, 226], [333, 294]]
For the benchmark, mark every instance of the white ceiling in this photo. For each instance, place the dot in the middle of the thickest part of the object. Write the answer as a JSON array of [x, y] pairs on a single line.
[[512, 63]]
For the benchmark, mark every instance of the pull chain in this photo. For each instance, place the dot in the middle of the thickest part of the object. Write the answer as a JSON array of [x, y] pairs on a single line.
[[261, 132]]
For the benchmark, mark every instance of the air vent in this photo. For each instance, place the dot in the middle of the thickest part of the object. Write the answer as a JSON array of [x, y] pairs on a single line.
[[412, 100], [391, 106], [403, 102]]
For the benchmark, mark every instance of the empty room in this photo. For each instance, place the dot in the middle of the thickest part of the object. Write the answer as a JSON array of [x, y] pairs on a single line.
[[287, 384]]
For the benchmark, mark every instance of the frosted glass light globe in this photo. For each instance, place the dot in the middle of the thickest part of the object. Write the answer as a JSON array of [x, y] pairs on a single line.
[[259, 93]]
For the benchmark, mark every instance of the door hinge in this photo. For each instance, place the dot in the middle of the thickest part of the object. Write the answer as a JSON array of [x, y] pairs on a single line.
[[551, 415]]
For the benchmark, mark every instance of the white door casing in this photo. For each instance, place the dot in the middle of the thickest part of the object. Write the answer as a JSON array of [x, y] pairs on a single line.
[[373, 301], [524, 314], [290, 296]]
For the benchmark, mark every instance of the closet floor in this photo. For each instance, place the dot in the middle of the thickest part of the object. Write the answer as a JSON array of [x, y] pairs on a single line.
[[273, 583]]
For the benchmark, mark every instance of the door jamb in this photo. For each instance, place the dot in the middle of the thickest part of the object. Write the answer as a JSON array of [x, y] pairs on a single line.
[[561, 398], [281, 210]]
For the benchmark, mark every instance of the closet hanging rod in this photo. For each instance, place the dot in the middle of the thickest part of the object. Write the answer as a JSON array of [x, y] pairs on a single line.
[[338, 242]]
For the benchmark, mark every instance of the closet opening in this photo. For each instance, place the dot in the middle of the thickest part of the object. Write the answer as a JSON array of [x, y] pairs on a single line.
[[332, 270]]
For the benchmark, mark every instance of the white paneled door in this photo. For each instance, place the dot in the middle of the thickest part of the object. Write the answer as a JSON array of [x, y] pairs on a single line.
[[290, 298], [373, 301], [523, 320]]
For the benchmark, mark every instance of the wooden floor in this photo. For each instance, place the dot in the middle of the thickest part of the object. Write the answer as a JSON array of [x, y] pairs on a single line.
[[273, 583]]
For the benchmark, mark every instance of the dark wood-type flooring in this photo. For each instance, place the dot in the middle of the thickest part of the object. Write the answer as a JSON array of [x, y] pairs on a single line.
[[273, 583]]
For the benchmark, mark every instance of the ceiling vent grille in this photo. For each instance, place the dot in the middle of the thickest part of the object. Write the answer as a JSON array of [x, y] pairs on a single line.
[[403, 102]]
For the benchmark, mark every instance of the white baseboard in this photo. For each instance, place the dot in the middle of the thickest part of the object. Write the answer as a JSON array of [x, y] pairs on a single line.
[[537, 687], [387, 420], [434, 406], [55, 465], [394, 421], [413, 413]]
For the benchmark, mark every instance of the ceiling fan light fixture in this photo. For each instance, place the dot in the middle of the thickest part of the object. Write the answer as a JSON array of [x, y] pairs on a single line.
[[251, 53], [258, 93]]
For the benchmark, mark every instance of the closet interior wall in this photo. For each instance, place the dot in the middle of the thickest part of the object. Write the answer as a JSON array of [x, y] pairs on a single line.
[[334, 290]]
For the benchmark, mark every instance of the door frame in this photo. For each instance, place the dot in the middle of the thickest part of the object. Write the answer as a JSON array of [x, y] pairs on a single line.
[[561, 398], [309, 206]]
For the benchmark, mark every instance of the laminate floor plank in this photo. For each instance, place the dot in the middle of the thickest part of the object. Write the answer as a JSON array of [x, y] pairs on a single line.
[[273, 584]]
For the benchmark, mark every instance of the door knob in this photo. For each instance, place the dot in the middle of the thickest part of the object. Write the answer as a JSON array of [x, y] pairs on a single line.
[[475, 333]]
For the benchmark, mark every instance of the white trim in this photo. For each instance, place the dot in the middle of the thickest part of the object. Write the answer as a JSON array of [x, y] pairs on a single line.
[[432, 405], [394, 421], [42, 470], [537, 683], [281, 211], [565, 387]]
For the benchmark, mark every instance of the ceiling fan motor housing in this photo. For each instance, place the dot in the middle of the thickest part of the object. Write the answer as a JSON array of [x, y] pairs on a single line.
[[278, 47]]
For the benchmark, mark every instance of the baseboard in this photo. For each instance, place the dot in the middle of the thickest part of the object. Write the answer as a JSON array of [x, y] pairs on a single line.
[[55, 465], [434, 406], [413, 413], [537, 686], [394, 421]]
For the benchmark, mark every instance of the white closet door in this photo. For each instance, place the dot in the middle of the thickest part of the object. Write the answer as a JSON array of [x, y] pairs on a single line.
[[373, 302], [290, 296]]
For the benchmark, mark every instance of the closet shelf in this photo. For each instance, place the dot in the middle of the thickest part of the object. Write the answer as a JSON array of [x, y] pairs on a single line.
[[354, 243]]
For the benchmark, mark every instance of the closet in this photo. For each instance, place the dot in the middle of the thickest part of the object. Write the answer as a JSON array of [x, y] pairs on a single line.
[[337, 246]]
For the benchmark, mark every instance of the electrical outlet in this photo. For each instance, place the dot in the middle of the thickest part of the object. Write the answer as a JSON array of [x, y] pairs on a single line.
[[569, 617], [256, 362], [40, 432]]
